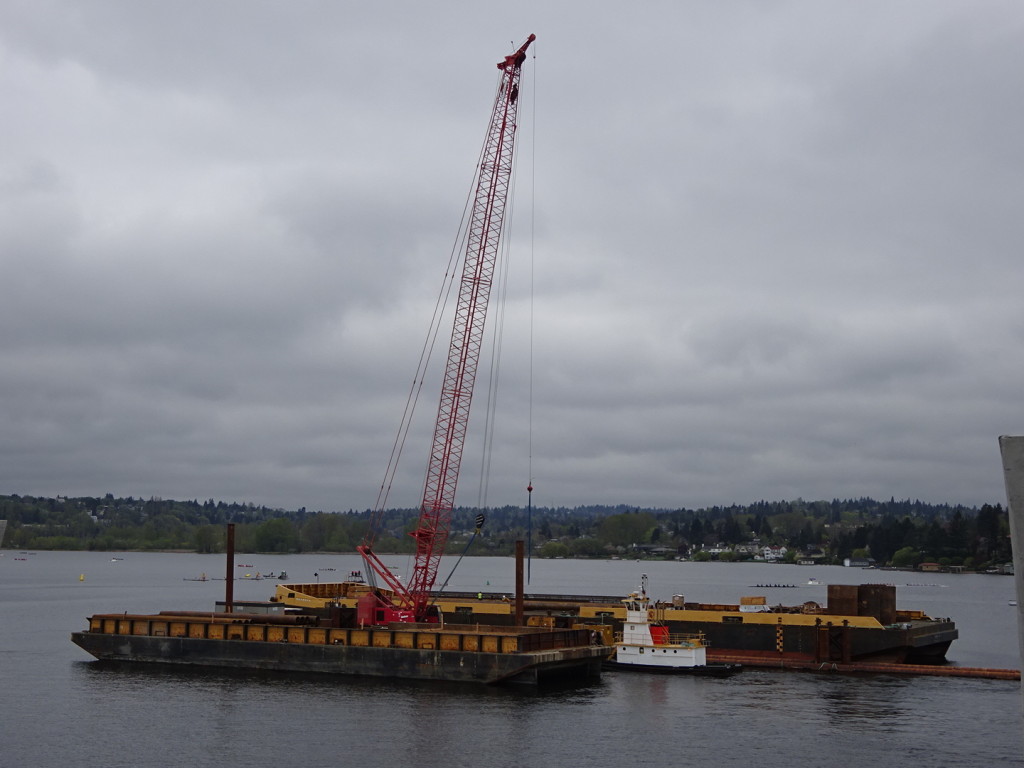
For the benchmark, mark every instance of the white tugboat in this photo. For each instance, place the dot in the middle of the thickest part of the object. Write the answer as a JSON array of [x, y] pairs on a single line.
[[646, 645]]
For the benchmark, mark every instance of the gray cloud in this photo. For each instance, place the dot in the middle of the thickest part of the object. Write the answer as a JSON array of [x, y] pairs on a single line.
[[773, 249]]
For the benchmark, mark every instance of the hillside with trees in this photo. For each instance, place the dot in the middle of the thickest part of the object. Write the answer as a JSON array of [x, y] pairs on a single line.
[[898, 533]]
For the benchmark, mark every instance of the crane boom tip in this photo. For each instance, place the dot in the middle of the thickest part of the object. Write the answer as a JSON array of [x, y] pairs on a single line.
[[516, 59]]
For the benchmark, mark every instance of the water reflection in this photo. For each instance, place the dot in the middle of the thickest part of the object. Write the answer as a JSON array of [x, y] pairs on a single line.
[[848, 701], [121, 715]]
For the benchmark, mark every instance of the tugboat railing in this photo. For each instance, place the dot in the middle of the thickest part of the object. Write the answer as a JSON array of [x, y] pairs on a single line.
[[693, 638]]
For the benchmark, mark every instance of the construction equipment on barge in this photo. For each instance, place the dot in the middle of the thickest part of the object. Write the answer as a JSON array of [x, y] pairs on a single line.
[[859, 626], [393, 631]]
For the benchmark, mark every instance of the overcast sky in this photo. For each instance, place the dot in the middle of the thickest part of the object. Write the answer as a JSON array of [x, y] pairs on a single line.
[[775, 248]]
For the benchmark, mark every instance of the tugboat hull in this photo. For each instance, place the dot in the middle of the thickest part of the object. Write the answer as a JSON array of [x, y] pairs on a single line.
[[705, 670]]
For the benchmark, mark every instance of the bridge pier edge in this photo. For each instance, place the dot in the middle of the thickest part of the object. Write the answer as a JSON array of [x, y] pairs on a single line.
[[1012, 451]]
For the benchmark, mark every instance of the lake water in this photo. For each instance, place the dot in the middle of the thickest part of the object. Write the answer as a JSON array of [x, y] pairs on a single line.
[[59, 708]]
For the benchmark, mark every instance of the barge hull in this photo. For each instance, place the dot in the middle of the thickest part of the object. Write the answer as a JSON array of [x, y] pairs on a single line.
[[716, 669], [451, 666], [919, 643], [374, 652]]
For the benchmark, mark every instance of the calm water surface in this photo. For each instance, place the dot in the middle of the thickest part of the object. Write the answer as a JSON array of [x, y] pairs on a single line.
[[59, 708]]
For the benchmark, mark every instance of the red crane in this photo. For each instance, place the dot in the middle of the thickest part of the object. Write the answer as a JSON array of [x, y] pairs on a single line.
[[412, 602]]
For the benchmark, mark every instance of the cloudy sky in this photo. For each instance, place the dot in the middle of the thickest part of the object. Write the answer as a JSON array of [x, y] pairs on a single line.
[[772, 249]]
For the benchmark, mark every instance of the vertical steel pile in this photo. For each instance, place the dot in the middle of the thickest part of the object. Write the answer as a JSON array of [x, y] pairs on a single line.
[[229, 577]]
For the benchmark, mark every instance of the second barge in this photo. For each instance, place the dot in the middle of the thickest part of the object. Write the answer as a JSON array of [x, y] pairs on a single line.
[[859, 624]]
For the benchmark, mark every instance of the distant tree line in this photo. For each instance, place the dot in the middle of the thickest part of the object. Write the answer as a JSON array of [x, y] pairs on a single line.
[[902, 533]]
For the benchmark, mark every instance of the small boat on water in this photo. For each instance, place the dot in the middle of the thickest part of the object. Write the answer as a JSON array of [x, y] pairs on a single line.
[[645, 644]]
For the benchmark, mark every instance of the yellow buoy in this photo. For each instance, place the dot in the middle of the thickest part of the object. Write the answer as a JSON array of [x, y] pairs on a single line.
[[81, 577]]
